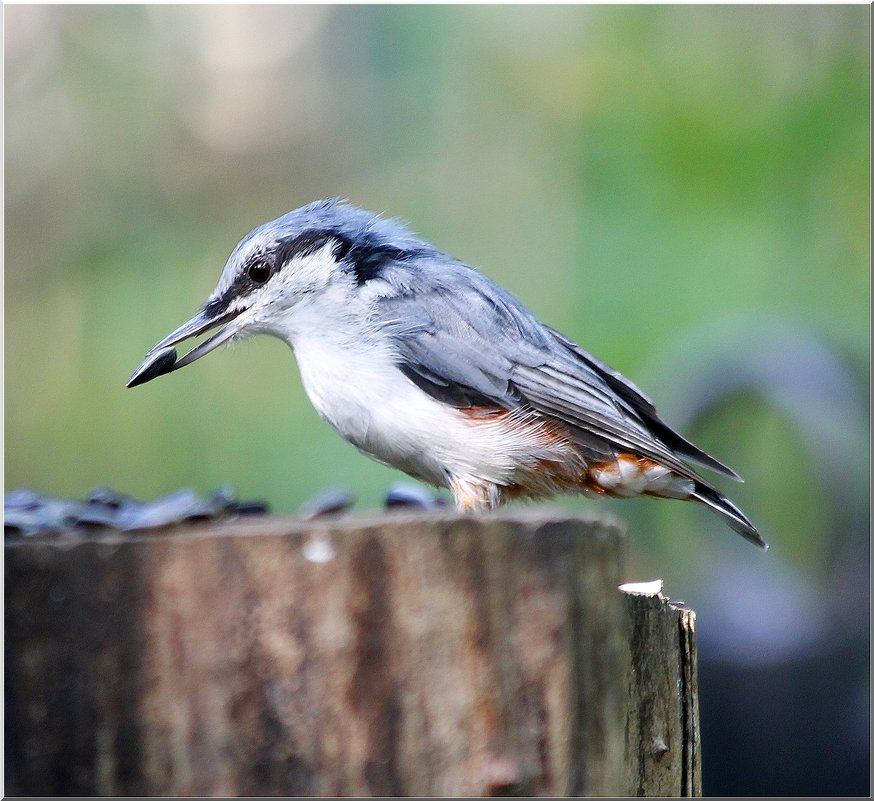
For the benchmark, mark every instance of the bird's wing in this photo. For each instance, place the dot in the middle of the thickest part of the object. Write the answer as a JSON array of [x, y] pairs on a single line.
[[468, 342], [643, 406]]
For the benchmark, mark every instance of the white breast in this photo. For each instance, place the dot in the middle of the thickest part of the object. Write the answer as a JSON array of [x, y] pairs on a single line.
[[350, 374], [371, 404], [352, 379]]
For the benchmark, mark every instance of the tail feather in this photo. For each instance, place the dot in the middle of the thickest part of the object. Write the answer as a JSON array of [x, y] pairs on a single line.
[[732, 515]]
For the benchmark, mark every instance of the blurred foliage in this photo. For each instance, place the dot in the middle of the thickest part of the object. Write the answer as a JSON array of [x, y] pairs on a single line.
[[654, 181]]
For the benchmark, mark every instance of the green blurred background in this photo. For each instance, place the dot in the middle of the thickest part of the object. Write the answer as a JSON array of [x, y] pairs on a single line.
[[682, 190]]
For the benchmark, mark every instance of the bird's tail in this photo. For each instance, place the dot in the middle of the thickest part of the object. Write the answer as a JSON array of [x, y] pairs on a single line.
[[729, 512]]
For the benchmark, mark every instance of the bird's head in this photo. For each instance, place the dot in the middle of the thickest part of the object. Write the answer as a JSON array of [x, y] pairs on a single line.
[[323, 251]]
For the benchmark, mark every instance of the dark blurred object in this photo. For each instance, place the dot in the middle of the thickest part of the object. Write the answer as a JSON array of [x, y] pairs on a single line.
[[28, 513], [407, 495], [797, 727], [783, 643], [330, 502]]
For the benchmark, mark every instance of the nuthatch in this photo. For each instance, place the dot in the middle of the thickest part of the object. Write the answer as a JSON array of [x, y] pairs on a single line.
[[426, 365]]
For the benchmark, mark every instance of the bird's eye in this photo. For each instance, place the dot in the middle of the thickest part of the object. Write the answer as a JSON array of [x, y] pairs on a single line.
[[259, 272]]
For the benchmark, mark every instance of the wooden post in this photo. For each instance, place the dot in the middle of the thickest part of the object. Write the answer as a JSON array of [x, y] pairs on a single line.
[[663, 753], [399, 655]]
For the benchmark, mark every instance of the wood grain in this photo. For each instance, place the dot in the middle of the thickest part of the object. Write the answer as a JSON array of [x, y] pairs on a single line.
[[396, 655]]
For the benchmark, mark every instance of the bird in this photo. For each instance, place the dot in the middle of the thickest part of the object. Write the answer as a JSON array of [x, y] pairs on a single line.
[[425, 364]]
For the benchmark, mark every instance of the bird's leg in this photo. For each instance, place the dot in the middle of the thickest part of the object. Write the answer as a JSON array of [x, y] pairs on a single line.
[[474, 495]]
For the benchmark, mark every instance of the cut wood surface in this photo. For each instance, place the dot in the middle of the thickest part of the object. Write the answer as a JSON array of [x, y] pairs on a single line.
[[394, 655]]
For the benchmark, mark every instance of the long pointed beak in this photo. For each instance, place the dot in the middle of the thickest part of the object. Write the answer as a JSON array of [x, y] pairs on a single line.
[[162, 358]]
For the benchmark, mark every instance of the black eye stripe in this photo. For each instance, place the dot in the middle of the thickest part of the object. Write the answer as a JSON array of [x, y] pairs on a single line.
[[256, 272], [306, 243], [368, 262], [365, 256]]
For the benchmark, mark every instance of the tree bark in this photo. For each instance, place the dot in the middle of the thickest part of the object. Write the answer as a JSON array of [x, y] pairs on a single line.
[[662, 734], [399, 655]]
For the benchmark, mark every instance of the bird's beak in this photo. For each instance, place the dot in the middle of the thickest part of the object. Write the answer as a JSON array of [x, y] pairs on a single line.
[[162, 358]]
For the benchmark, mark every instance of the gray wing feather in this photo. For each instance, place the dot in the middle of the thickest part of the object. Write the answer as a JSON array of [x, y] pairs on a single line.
[[634, 398], [455, 358], [465, 339]]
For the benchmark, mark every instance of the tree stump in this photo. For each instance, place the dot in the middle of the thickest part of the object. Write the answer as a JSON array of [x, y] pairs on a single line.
[[395, 655]]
